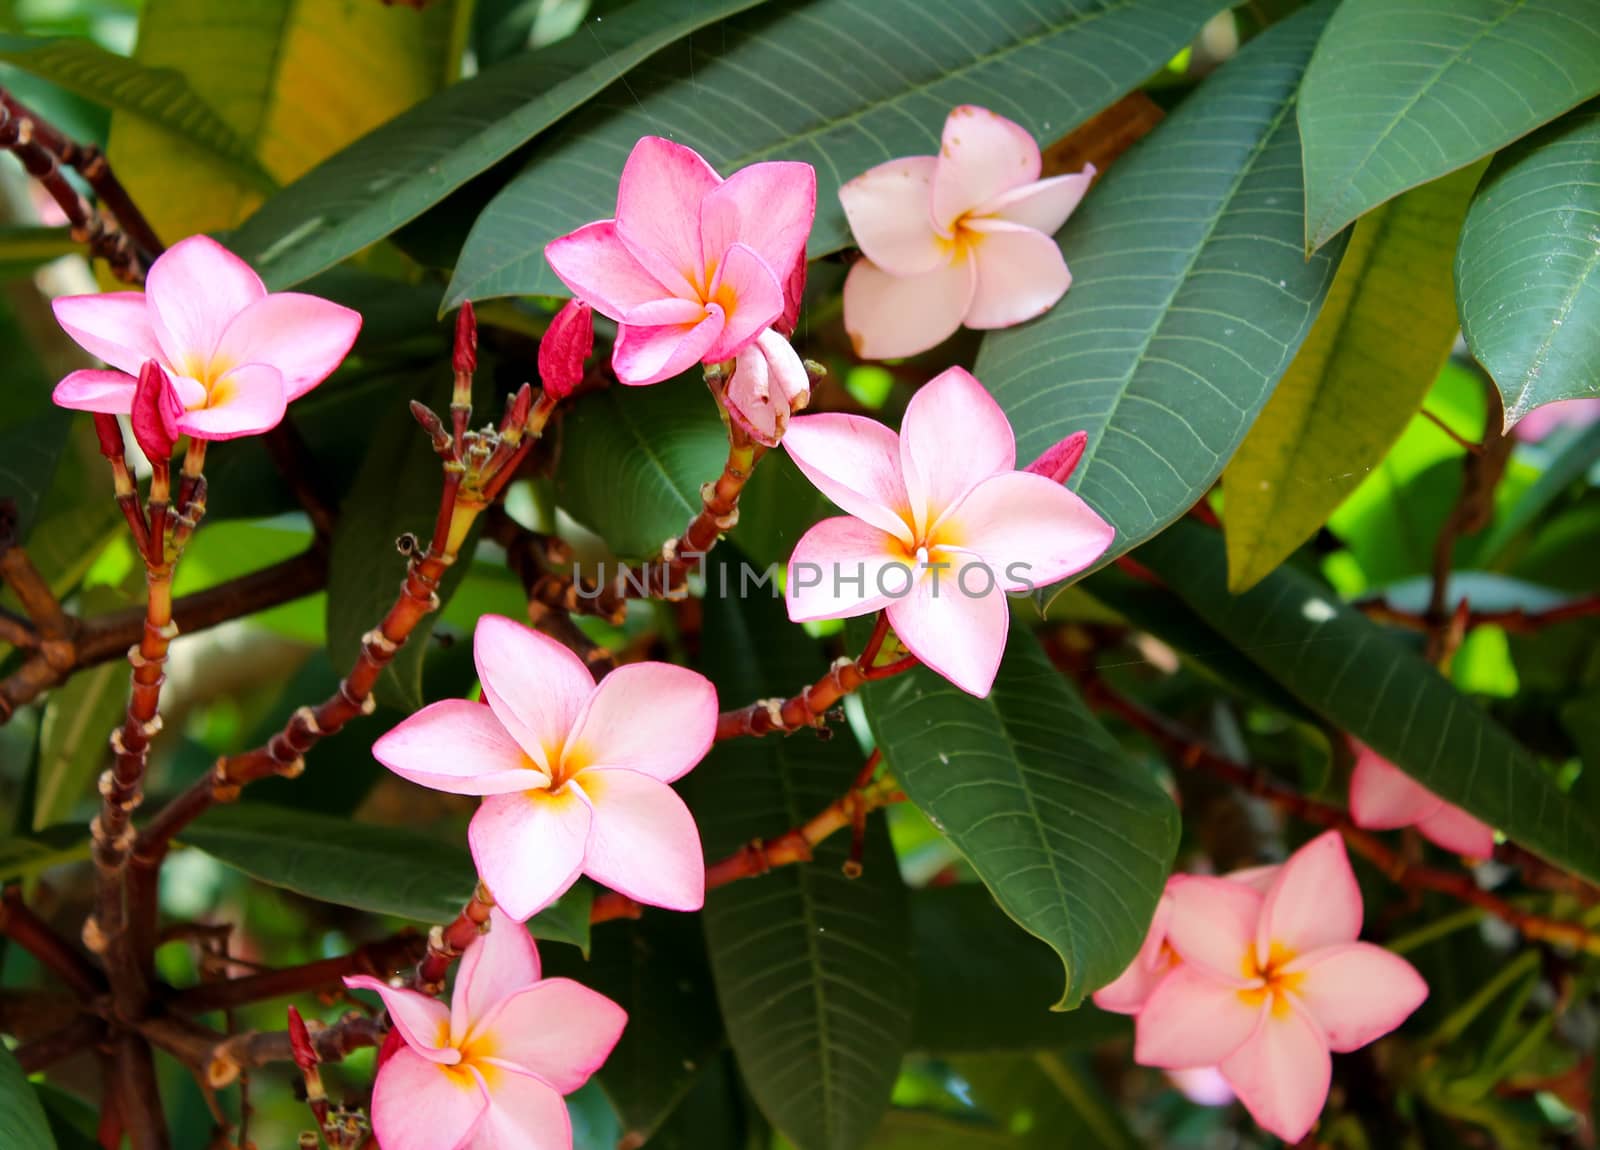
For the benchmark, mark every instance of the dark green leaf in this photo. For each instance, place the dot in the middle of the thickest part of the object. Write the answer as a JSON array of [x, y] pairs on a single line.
[[384, 870], [1054, 1098], [22, 856], [656, 969], [1190, 296], [33, 431], [1363, 681], [396, 492], [1528, 270], [983, 984], [632, 461], [22, 1121], [810, 966], [1398, 95], [1573, 456], [395, 173], [837, 83], [1074, 841]]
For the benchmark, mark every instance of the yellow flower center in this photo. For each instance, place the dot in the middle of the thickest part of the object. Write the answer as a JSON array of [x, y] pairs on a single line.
[[1272, 980]]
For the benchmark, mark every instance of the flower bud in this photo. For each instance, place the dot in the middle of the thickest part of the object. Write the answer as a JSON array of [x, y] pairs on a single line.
[[305, 1053], [155, 414], [1058, 462], [112, 445], [465, 359], [564, 347]]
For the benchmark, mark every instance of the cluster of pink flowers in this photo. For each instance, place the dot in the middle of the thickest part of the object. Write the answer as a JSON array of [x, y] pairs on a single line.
[[1260, 976]]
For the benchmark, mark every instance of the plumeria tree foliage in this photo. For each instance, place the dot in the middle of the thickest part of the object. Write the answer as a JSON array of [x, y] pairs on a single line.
[[800, 575]]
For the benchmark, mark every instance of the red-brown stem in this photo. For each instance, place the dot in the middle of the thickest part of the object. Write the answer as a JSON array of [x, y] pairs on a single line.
[[793, 846], [446, 943], [811, 706], [55, 954], [81, 1033], [380, 959], [18, 572], [1189, 752], [138, 1096], [1517, 621]]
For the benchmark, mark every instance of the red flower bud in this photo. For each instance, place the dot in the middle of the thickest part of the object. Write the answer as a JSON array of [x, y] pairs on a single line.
[[156, 410], [465, 359], [564, 347], [112, 445], [305, 1053], [1058, 462]]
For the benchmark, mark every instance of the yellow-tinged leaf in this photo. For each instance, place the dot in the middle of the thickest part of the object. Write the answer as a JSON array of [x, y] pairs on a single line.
[[1382, 336], [295, 79]]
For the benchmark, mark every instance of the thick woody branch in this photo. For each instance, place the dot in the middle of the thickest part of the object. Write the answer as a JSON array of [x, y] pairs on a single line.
[[83, 1032], [55, 954]]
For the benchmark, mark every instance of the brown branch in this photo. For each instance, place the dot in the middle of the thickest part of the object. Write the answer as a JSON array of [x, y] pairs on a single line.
[[55, 954], [78, 1035], [50, 622], [139, 1099], [1517, 620], [380, 959], [331, 1043], [1190, 753]]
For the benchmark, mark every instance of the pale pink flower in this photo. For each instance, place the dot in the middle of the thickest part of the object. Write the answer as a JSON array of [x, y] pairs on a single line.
[[1383, 797], [574, 776], [939, 527], [1203, 1085], [963, 237], [1563, 413], [236, 354], [693, 267], [488, 1072], [1269, 984], [769, 384]]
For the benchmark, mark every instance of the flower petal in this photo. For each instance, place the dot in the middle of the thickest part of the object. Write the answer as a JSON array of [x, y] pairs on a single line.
[[196, 288], [1315, 901], [535, 686], [1203, 1085], [1282, 1073], [600, 270], [838, 568], [658, 210], [1021, 274], [558, 1031], [496, 965], [422, 1021], [891, 316], [1192, 1019], [1383, 797], [1213, 925], [247, 400], [953, 437], [768, 207], [960, 635], [1257, 878], [751, 295], [855, 462], [980, 156], [528, 847], [458, 747], [769, 384], [890, 212], [114, 327], [1029, 529], [643, 842], [650, 354], [524, 1114], [1043, 205], [1357, 992], [653, 718], [1127, 994], [304, 336], [419, 1106], [108, 392], [1455, 830]]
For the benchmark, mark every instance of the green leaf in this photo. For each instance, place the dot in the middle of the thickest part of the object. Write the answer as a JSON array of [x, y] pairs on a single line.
[[1572, 459], [24, 249], [33, 431], [78, 720], [1376, 688], [395, 492], [392, 175], [810, 966], [1074, 841], [1385, 331], [21, 857], [1055, 1099], [288, 85], [633, 459], [383, 870], [22, 1122], [1528, 272], [961, 939], [1398, 95], [836, 83], [1190, 295], [656, 969]]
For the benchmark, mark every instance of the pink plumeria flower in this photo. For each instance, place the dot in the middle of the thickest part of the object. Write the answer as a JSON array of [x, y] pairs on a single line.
[[488, 1072], [693, 267], [939, 527], [574, 776], [1156, 958], [1539, 423], [1269, 984], [963, 237], [1383, 797], [236, 354]]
